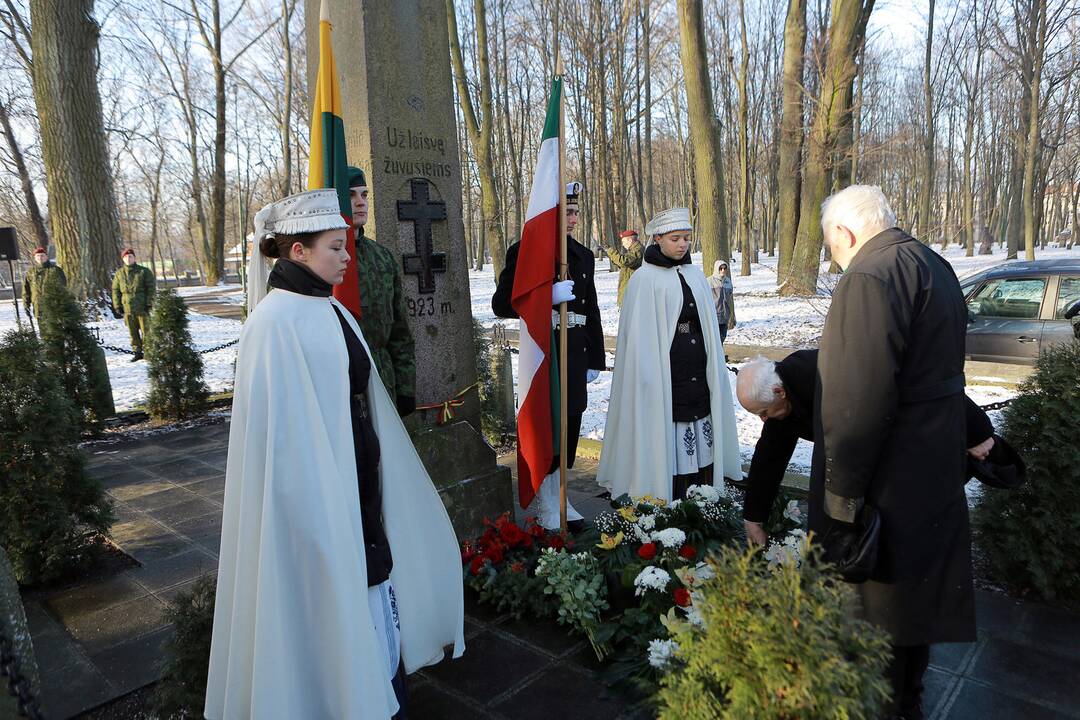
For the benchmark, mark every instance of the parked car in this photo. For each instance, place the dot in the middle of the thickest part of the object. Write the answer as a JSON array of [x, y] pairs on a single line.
[[1018, 308]]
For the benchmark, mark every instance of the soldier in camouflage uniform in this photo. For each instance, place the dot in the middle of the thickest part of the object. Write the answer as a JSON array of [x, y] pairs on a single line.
[[627, 258], [34, 281], [132, 296], [382, 305]]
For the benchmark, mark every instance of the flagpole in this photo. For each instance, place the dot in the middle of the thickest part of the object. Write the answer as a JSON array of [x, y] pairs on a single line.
[[562, 306]]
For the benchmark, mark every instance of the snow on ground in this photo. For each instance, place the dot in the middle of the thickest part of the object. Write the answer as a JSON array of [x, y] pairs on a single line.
[[232, 293], [129, 384], [764, 318]]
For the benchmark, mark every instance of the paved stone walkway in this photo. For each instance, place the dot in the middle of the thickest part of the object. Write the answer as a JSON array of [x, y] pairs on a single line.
[[104, 639]]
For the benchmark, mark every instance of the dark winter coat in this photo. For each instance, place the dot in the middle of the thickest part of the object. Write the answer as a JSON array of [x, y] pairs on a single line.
[[133, 289], [689, 386], [585, 344], [798, 373], [891, 433]]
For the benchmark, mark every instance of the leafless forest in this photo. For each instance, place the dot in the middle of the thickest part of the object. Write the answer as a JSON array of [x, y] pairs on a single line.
[[166, 124]]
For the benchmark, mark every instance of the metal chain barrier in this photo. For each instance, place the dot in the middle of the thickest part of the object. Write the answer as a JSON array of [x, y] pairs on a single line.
[[18, 685], [124, 351]]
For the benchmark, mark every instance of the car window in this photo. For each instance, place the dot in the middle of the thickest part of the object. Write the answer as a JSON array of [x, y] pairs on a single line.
[[1015, 298], [1068, 293]]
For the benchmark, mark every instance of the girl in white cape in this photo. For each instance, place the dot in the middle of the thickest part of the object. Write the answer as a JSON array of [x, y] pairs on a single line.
[[339, 570], [671, 421]]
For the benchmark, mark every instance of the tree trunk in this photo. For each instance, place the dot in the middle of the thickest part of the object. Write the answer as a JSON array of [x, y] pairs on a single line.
[[82, 207], [926, 196], [1038, 47], [791, 136], [846, 32], [712, 221], [480, 130], [287, 7], [744, 145], [29, 196]]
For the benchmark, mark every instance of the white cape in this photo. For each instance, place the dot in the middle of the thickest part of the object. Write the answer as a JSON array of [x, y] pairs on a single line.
[[293, 636], [637, 456]]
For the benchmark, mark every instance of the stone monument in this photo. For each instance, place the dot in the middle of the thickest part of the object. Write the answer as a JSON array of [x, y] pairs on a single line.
[[393, 59]]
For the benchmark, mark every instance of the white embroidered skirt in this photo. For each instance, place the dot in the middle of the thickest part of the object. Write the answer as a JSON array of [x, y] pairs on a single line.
[[693, 443], [384, 615]]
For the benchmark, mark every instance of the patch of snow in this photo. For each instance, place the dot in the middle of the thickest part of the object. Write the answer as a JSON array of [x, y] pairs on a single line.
[[129, 382]]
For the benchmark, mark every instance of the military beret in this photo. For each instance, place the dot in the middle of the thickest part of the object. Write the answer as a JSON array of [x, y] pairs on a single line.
[[356, 177]]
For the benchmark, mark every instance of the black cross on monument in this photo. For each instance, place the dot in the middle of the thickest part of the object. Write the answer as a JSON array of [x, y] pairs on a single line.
[[421, 210]]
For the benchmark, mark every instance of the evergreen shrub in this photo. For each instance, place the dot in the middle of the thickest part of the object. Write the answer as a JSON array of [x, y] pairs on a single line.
[[75, 354], [1030, 534], [182, 690], [174, 368], [773, 641], [50, 509]]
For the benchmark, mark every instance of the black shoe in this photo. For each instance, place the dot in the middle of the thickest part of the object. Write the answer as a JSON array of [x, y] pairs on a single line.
[[136, 357]]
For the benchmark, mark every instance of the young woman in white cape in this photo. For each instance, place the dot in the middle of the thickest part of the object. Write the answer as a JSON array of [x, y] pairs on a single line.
[[671, 420], [339, 567]]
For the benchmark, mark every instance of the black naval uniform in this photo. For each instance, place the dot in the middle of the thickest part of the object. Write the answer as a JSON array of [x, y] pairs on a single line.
[[585, 343]]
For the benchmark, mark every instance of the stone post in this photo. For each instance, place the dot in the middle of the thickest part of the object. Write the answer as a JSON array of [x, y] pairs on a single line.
[[16, 645], [393, 58]]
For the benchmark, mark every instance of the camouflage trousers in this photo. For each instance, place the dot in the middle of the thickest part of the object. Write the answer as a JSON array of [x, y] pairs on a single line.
[[137, 325]]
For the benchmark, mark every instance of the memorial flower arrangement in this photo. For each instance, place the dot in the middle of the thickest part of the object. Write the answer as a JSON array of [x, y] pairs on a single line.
[[633, 582]]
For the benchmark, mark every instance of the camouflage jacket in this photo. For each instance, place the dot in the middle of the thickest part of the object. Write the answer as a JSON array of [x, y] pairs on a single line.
[[383, 320], [34, 283], [133, 289], [627, 261]]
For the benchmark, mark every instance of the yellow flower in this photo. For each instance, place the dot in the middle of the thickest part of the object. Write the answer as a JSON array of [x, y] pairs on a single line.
[[628, 514], [610, 542]]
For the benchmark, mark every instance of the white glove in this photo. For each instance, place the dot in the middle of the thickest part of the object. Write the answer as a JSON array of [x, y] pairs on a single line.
[[591, 375], [561, 292]]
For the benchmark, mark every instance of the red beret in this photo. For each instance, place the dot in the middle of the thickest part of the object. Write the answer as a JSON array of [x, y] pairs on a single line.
[[41, 250], [127, 251], [628, 233]]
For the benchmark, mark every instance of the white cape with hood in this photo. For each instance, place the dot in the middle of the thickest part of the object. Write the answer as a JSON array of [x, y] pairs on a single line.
[[638, 457], [293, 635]]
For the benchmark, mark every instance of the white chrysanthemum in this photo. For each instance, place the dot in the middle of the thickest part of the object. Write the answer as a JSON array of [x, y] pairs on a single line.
[[793, 512], [674, 504], [703, 493], [651, 578], [661, 652], [641, 535], [694, 617], [703, 571], [670, 538], [647, 522]]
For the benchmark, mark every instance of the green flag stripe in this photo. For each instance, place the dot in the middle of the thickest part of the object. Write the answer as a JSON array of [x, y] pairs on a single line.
[[551, 122], [335, 174]]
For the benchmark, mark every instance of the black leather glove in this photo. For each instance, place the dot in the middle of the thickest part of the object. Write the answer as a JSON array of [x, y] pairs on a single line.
[[406, 405], [852, 548]]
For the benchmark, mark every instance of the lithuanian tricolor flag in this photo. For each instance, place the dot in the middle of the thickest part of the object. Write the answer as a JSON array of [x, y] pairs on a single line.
[[327, 161]]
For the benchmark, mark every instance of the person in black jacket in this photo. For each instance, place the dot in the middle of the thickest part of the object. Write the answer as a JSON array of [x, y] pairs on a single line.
[[782, 395], [585, 356]]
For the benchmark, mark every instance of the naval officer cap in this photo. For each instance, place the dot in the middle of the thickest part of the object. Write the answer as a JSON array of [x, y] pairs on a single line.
[[573, 189], [306, 212], [669, 221]]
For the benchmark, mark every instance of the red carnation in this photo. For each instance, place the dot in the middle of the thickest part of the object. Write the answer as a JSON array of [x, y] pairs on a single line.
[[494, 554], [466, 555], [476, 564], [682, 597], [647, 551], [556, 542], [687, 552]]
